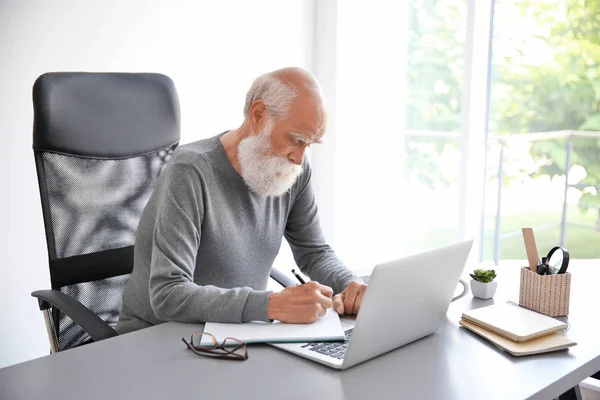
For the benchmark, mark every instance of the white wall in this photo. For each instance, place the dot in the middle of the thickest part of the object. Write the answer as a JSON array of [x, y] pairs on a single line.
[[371, 210], [211, 49]]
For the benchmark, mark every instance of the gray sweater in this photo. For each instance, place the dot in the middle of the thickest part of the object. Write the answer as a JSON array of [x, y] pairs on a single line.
[[205, 243]]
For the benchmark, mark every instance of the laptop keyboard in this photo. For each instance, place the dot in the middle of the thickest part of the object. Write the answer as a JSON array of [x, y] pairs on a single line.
[[331, 349]]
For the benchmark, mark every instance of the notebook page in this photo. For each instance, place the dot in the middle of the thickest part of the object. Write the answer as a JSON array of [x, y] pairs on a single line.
[[514, 322], [325, 328]]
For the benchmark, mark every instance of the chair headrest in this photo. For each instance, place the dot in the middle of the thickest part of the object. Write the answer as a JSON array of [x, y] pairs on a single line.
[[104, 115]]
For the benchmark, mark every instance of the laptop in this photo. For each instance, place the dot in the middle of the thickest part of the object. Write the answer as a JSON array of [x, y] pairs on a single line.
[[407, 300]]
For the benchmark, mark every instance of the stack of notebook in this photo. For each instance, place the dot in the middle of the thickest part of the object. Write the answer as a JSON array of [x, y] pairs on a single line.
[[517, 330]]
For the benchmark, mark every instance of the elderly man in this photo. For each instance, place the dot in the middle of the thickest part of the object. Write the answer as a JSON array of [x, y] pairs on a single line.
[[211, 230]]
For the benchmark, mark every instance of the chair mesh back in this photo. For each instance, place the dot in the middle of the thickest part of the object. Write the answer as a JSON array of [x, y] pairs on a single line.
[[90, 206], [103, 297]]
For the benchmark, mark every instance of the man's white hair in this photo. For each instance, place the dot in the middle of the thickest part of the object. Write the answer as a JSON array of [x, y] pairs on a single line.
[[277, 95]]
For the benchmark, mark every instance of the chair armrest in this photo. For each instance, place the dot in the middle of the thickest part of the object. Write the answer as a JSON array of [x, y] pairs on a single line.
[[281, 278], [80, 314]]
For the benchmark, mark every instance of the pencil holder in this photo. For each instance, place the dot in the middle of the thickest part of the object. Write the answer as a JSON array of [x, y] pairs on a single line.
[[546, 294]]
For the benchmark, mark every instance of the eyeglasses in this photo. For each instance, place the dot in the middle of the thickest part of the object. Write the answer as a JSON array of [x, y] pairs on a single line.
[[230, 349]]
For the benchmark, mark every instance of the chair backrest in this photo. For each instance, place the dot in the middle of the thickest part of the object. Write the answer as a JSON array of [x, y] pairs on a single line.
[[100, 141]]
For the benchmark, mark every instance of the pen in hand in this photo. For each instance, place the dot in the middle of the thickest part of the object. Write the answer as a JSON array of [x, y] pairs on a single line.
[[298, 277]]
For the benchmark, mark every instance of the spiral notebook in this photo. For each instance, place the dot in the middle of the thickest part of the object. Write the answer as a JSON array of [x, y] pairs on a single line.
[[513, 322]]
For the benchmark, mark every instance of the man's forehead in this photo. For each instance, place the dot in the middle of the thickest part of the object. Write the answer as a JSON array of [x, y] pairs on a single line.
[[316, 132]]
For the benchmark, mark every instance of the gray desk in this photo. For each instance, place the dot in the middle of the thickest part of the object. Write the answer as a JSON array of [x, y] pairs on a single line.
[[451, 364]]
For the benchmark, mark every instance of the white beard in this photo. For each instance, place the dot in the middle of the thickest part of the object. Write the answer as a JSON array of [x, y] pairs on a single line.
[[264, 173]]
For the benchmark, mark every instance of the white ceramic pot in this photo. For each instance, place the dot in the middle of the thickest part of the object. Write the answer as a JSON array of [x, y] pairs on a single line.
[[483, 290]]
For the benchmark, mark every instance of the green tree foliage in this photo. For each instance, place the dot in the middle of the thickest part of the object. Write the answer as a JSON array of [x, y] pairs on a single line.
[[435, 67], [435, 64], [583, 30], [545, 77]]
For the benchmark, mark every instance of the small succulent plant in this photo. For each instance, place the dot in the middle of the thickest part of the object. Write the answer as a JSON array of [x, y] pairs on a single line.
[[483, 275]]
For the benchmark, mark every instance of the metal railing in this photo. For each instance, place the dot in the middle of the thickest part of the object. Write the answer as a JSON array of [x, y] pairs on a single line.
[[504, 141]]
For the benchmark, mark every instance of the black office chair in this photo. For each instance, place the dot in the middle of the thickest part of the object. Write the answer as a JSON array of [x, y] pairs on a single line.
[[100, 141]]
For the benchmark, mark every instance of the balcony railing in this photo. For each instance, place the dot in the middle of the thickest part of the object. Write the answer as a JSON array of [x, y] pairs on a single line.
[[505, 142], [569, 135]]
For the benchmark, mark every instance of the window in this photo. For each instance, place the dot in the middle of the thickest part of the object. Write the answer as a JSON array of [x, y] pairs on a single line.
[[400, 68], [543, 163]]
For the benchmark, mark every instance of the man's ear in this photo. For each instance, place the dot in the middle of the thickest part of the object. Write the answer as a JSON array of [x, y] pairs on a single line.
[[258, 114]]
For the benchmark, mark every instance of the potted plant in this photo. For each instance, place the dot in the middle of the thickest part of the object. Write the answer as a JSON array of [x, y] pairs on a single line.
[[483, 285]]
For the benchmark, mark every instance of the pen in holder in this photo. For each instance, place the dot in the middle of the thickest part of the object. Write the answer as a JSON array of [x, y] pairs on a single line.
[[547, 294]]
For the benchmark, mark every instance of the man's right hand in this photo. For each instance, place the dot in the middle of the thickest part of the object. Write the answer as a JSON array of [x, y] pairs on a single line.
[[300, 304]]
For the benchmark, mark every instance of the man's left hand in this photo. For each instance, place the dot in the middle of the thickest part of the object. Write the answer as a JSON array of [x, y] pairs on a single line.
[[349, 301]]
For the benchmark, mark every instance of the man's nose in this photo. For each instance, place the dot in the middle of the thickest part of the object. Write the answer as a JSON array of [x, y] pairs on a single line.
[[297, 156]]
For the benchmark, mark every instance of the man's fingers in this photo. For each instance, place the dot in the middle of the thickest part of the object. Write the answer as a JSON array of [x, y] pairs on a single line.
[[323, 289], [326, 302], [338, 303], [322, 311], [326, 290], [323, 292], [350, 298], [358, 302]]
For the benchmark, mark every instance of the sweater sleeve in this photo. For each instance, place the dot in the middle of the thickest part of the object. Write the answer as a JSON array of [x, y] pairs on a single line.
[[174, 296], [314, 256]]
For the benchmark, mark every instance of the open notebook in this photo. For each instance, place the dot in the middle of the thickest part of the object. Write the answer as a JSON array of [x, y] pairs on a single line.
[[513, 322], [326, 328]]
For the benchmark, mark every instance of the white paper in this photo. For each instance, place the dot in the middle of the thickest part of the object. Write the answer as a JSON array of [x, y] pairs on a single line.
[[325, 328]]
